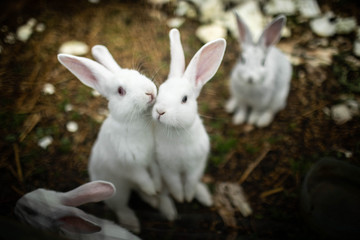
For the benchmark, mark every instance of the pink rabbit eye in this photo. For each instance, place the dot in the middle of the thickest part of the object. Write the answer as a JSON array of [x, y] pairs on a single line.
[[184, 99], [121, 91]]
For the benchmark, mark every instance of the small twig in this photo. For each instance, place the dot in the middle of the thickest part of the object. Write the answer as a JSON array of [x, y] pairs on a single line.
[[254, 164], [17, 190], [17, 162], [271, 192], [29, 125]]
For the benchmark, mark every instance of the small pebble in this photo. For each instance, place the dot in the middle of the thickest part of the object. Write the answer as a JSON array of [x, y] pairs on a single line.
[[175, 22], [48, 89], [45, 142], [95, 93], [40, 27], [68, 107], [324, 26], [74, 48], [72, 126], [207, 33], [10, 38]]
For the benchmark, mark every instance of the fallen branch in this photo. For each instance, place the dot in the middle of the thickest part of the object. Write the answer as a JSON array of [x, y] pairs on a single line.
[[254, 164], [17, 162], [271, 192]]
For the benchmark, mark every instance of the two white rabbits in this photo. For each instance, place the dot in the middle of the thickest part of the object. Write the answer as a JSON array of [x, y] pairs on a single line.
[[124, 149], [260, 80], [182, 143], [57, 211]]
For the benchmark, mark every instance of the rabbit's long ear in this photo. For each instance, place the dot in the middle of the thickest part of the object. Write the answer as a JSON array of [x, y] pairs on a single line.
[[205, 63], [272, 32], [90, 192], [103, 56], [177, 64], [89, 72], [245, 37]]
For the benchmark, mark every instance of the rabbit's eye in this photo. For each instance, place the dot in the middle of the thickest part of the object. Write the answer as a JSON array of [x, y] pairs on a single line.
[[184, 99], [121, 91]]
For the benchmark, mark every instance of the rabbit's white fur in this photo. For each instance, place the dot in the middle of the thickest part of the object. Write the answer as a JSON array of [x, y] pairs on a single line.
[[56, 211], [124, 149], [182, 143], [260, 80]]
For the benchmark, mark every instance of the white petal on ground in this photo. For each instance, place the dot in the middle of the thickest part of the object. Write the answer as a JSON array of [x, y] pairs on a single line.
[[357, 48], [184, 9], [24, 32], [48, 89], [175, 22], [210, 32], [274, 7], [345, 25], [324, 26], [211, 10], [45, 142], [309, 8], [74, 47], [40, 27], [95, 93], [341, 113], [72, 126], [68, 107], [10, 38]]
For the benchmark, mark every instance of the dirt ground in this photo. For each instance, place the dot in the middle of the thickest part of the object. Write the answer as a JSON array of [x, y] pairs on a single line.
[[137, 35]]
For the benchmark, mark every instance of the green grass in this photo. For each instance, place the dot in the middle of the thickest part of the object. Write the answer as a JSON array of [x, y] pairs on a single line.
[[221, 147]]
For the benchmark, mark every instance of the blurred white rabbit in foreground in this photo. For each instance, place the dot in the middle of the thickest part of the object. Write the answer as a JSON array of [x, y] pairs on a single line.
[[124, 149], [260, 80], [182, 143], [56, 211]]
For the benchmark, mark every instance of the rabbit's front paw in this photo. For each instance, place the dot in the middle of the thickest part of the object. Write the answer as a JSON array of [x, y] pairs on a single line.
[[239, 117], [230, 105], [203, 195], [265, 119], [148, 189], [167, 208]]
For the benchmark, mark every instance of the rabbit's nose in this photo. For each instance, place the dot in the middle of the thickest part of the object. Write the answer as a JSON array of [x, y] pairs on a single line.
[[250, 80], [160, 112]]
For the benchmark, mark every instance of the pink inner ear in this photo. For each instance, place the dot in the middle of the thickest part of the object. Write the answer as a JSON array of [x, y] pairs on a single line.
[[208, 59], [90, 192], [80, 71], [78, 225], [272, 34]]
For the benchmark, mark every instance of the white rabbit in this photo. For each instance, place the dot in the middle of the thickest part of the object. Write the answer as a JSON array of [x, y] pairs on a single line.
[[182, 143], [56, 211], [124, 149], [260, 80]]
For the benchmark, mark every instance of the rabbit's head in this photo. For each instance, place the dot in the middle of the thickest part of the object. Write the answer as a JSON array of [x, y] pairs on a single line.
[[253, 61], [176, 104], [46, 209], [129, 93]]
